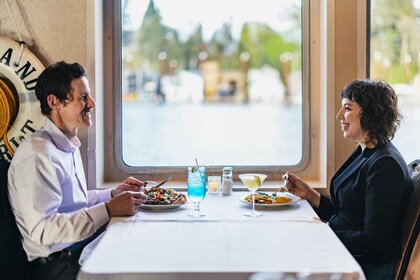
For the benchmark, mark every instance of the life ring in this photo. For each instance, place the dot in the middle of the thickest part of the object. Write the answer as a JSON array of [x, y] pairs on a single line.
[[20, 113]]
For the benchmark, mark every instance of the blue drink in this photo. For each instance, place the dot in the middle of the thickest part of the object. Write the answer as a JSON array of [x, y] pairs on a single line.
[[196, 188], [196, 184], [196, 192]]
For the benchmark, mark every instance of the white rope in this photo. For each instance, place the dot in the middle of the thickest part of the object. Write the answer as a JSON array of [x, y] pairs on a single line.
[[22, 43], [22, 46], [14, 21]]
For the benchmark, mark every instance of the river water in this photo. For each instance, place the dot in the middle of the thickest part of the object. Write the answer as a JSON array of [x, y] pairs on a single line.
[[230, 134]]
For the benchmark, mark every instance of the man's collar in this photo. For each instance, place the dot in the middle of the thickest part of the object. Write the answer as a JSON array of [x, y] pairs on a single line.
[[60, 139]]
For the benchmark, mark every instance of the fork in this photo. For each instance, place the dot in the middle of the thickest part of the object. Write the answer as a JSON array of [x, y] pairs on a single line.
[[286, 178]]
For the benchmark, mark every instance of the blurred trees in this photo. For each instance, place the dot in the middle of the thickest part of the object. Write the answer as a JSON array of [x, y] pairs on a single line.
[[159, 48], [395, 40], [193, 50]]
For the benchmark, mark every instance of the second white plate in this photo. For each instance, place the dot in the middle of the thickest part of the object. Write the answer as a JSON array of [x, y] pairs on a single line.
[[293, 198]]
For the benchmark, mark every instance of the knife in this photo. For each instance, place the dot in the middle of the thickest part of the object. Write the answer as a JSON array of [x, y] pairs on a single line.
[[163, 182]]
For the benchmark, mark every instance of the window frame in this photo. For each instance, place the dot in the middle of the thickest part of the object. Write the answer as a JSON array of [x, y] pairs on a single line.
[[179, 171], [336, 55]]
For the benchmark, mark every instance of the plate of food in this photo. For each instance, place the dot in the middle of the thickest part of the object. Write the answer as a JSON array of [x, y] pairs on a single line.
[[163, 198], [270, 200]]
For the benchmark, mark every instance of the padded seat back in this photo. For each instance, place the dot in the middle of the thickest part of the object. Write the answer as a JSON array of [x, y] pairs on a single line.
[[13, 261], [411, 226]]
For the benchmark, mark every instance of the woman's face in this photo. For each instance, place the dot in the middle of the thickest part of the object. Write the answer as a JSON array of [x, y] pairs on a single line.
[[349, 116]]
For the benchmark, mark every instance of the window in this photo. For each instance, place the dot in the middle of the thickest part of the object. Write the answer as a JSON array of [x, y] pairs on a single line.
[[203, 79], [395, 58]]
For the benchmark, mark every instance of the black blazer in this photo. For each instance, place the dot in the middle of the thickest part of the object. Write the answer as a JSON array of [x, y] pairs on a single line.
[[368, 195]]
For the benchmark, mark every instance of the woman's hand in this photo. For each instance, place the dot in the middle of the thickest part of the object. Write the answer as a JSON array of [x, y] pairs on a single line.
[[297, 186], [129, 184]]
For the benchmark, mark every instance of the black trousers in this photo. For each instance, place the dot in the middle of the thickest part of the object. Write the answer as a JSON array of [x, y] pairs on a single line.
[[62, 265]]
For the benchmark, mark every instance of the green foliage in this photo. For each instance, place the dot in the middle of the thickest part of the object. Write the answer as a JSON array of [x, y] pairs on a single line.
[[395, 40], [264, 45], [191, 49]]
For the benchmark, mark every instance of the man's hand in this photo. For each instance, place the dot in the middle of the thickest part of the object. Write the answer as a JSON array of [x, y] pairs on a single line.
[[125, 203], [129, 184]]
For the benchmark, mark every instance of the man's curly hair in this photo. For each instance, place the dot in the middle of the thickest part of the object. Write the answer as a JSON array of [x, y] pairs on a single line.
[[56, 79], [380, 116]]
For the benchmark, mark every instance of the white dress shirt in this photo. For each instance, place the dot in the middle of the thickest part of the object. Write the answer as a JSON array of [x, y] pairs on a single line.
[[49, 196]]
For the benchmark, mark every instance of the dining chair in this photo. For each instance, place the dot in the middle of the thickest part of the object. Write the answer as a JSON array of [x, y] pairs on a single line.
[[411, 227], [13, 261]]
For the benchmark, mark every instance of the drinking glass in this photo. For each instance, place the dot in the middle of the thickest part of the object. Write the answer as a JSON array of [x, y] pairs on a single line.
[[253, 182], [214, 184], [196, 188]]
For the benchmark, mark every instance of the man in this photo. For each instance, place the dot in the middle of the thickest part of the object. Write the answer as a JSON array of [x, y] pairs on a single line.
[[55, 213]]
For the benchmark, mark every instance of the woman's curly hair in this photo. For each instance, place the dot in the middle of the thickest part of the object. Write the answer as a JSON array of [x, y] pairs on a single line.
[[380, 116]]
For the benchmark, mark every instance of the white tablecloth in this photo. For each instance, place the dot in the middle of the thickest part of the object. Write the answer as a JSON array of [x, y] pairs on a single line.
[[224, 244]]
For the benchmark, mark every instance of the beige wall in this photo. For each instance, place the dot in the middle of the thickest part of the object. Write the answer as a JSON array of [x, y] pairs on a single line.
[[53, 29], [57, 30], [346, 46]]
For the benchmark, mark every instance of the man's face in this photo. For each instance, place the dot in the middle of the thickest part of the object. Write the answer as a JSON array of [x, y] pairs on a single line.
[[75, 111]]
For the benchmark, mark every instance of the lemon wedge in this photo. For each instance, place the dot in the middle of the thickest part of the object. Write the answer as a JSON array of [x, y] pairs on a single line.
[[283, 199]]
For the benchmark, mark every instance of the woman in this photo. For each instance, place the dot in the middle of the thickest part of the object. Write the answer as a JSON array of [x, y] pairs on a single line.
[[369, 192]]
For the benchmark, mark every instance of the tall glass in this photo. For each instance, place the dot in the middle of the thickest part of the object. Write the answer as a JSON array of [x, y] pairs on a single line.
[[253, 182], [196, 188]]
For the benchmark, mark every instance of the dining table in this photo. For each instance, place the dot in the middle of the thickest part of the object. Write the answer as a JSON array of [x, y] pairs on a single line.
[[167, 244]]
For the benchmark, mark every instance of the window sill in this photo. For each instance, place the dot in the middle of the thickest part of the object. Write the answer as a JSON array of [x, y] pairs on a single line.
[[237, 185]]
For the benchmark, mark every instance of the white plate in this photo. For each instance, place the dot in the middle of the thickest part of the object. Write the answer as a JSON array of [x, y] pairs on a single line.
[[162, 207], [293, 197]]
